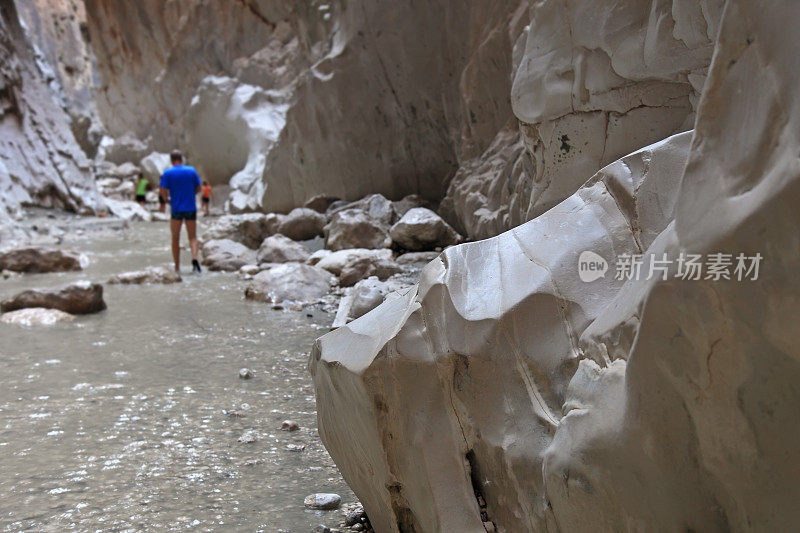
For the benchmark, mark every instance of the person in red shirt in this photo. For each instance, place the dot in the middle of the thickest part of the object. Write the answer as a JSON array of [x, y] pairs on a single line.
[[206, 197]]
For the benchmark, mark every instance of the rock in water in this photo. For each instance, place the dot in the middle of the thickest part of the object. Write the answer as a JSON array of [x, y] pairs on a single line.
[[150, 275], [289, 425], [245, 373], [227, 255], [249, 229], [289, 281], [36, 316], [79, 298], [324, 501], [421, 229], [35, 260], [302, 224], [354, 228], [128, 210], [281, 249]]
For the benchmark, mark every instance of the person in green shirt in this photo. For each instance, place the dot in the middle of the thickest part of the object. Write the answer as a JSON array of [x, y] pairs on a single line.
[[141, 190]]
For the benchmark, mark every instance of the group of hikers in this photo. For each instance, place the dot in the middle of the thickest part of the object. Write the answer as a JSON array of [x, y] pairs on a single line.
[[179, 186]]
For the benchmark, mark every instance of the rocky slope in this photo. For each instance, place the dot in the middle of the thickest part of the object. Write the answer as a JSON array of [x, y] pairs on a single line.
[[506, 393], [40, 161]]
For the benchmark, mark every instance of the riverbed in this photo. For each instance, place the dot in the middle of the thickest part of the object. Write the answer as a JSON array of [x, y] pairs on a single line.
[[136, 418]]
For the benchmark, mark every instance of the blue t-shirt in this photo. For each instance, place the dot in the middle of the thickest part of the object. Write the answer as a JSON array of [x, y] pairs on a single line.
[[182, 182]]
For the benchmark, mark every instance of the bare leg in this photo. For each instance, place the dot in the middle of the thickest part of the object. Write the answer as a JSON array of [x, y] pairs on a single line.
[[191, 230], [175, 228]]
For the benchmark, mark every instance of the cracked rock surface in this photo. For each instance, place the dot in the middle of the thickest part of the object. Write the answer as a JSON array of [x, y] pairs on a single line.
[[503, 392]]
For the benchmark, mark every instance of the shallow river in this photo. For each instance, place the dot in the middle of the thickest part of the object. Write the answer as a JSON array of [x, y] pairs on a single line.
[[120, 420]]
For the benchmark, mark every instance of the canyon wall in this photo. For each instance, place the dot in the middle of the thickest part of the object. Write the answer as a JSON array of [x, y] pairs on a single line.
[[506, 392], [285, 100], [40, 161]]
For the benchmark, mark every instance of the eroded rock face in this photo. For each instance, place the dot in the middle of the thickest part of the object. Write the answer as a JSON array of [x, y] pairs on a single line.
[[593, 81], [150, 275], [79, 298], [404, 118], [293, 282], [421, 229], [36, 260], [639, 403], [40, 160]]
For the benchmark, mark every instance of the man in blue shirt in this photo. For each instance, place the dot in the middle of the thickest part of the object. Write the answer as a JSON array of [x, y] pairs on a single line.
[[179, 184]]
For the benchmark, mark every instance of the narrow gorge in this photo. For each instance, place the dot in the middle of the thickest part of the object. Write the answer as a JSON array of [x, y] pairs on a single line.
[[498, 265]]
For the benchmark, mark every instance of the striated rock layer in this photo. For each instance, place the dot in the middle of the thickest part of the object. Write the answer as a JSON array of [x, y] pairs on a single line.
[[40, 161], [504, 379]]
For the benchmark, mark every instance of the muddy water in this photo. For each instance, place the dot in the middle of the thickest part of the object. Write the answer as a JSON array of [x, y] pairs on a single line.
[[121, 420]]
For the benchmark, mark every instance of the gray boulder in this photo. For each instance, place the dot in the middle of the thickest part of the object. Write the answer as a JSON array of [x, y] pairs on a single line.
[[302, 224], [421, 229], [365, 267], [79, 298], [281, 249], [249, 229], [150, 275], [320, 203], [36, 260], [36, 316], [227, 255], [354, 228], [289, 281]]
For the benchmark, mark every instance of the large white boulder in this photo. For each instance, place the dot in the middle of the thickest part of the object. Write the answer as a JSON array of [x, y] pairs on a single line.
[[294, 282], [420, 229], [227, 255], [280, 249], [249, 229], [153, 166], [354, 228], [128, 210]]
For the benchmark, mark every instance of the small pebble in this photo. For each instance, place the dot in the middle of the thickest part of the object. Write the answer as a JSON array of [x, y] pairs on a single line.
[[248, 437], [322, 500], [295, 447], [245, 373], [289, 425], [357, 527]]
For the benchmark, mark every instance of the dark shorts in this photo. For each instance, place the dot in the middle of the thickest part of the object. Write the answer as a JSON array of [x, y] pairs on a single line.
[[206, 200], [161, 199], [184, 215], [141, 198]]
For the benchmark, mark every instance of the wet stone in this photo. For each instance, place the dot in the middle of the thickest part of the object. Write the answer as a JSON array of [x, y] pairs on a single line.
[[248, 437], [245, 373], [289, 425], [324, 501]]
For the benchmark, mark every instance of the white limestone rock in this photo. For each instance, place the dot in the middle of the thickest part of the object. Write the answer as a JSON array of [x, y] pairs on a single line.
[[147, 276], [127, 210], [354, 228], [280, 249], [421, 229], [336, 262], [227, 255], [36, 316], [644, 404], [294, 282], [153, 166], [249, 229]]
